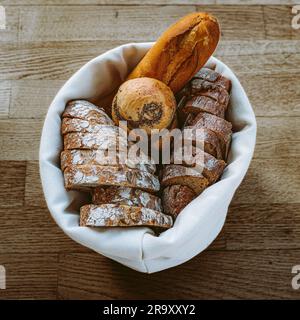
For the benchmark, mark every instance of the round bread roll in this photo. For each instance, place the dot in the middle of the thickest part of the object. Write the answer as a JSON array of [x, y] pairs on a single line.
[[180, 51], [145, 103]]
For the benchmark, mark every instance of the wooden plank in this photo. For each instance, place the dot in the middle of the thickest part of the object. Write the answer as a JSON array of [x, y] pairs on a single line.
[[147, 2], [210, 275], [11, 31], [263, 226], [5, 93], [12, 184], [270, 181], [273, 95], [29, 229], [29, 276], [277, 138], [59, 60], [32, 98], [69, 23], [20, 139]]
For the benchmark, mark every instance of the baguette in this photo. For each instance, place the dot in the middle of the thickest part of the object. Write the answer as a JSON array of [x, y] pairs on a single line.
[[84, 177], [181, 51], [113, 215], [126, 196]]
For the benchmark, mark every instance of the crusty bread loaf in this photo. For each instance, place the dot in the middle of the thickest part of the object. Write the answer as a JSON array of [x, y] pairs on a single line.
[[82, 109], [177, 174], [103, 158], [105, 138], [89, 176], [126, 196], [206, 139], [145, 103], [175, 198], [214, 77], [221, 127], [209, 166], [113, 215], [180, 51]]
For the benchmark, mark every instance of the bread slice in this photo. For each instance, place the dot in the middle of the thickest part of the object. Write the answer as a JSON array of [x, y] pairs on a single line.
[[78, 125], [113, 215], [206, 139], [82, 177], [177, 174], [107, 138], [104, 158], [221, 127], [126, 196], [82, 109], [214, 77], [203, 162], [175, 198], [205, 104]]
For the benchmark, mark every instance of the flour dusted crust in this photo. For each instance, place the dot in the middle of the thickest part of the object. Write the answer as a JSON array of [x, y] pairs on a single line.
[[177, 174], [107, 137], [79, 125], [126, 196], [175, 198], [206, 138], [85, 110], [104, 158], [113, 215], [89, 176]]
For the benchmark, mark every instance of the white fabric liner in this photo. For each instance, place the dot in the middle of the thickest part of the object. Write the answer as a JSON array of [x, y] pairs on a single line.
[[138, 248]]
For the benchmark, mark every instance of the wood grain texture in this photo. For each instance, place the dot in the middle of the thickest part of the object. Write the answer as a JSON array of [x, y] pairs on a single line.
[[45, 42], [213, 275]]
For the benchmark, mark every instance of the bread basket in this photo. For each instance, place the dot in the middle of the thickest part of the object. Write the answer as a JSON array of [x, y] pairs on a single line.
[[138, 248]]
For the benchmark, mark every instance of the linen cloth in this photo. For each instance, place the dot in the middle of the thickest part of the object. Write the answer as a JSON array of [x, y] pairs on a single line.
[[138, 248]]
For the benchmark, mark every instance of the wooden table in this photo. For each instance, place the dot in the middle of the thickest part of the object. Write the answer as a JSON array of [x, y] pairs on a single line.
[[45, 42]]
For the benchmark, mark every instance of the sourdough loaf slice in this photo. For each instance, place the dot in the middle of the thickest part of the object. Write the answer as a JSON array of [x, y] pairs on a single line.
[[89, 176], [206, 104], [78, 125], [205, 139], [175, 198], [104, 158], [221, 127], [214, 77], [82, 109], [203, 162], [107, 138], [177, 174], [126, 196], [113, 215]]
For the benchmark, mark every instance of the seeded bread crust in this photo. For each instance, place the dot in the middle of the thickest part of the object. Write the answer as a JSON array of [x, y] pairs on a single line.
[[85, 110], [203, 162], [82, 177], [175, 198], [126, 196], [113, 215], [177, 174], [207, 140], [108, 137]]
